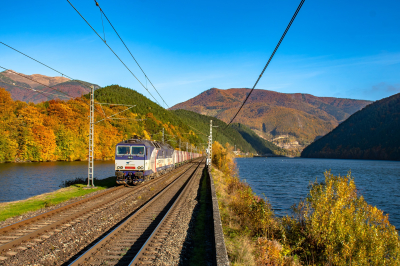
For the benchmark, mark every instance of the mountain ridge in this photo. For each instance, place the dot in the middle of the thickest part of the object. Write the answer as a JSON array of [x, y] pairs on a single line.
[[35, 88], [302, 116]]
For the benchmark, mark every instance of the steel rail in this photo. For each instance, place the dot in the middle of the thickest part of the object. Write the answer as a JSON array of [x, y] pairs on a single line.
[[16, 242], [140, 255], [48, 214], [88, 254]]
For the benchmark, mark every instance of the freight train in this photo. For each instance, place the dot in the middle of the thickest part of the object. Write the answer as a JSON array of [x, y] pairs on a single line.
[[138, 160]]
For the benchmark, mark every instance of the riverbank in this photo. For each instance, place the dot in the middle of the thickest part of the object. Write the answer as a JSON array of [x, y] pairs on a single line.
[[14, 211], [249, 225]]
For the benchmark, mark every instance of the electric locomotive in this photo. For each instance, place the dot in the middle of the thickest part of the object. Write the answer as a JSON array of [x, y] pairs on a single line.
[[138, 160]]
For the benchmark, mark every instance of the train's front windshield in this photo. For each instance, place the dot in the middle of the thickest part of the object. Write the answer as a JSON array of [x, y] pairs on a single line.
[[138, 151], [122, 150]]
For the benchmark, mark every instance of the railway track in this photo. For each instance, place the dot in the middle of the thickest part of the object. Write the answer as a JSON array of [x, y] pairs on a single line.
[[18, 237], [137, 239]]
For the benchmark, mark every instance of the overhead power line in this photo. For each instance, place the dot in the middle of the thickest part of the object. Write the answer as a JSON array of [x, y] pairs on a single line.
[[77, 80], [113, 51], [83, 83], [101, 10], [147, 78], [43, 93], [269, 60], [65, 94], [35, 90]]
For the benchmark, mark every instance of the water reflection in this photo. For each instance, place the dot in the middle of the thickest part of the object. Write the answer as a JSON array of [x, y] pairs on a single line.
[[284, 181], [23, 180]]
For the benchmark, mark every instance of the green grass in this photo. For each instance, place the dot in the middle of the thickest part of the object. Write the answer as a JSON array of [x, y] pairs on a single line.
[[8, 210], [199, 250]]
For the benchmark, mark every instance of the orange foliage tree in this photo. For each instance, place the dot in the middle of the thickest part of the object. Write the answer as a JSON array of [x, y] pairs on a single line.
[[58, 130]]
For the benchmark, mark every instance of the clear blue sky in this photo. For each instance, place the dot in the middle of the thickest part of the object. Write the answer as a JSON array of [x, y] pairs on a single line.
[[348, 49]]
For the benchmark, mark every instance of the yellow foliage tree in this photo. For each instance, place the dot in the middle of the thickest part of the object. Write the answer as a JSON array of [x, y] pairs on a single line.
[[346, 228], [223, 158], [31, 116], [46, 142]]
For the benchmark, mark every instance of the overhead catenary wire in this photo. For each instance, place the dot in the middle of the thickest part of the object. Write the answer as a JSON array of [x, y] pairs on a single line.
[[197, 130], [35, 90], [101, 16], [83, 83], [42, 92], [63, 74], [113, 51], [147, 78], [269, 60], [38, 91], [77, 80], [16, 73]]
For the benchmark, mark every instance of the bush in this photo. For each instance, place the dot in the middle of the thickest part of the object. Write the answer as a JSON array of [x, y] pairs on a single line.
[[223, 158], [335, 226]]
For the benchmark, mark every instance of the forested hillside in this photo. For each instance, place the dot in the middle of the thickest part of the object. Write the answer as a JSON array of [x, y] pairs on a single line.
[[261, 145], [371, 133], [220, 133], [58, 130]]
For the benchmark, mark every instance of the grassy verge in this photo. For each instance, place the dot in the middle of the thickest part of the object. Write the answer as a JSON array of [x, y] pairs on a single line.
[[11, 209], [239, 243], [198, 256]]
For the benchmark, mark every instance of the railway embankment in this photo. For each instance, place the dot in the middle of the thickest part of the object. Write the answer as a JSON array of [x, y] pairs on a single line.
[[333, 225], [184, 236], [50, 236]]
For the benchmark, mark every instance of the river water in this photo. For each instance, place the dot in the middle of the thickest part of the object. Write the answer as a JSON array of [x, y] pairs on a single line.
[[23, 180], [284, 181]]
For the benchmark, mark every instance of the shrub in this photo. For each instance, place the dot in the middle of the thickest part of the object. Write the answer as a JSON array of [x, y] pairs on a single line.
[[223, 158], [335, 225]]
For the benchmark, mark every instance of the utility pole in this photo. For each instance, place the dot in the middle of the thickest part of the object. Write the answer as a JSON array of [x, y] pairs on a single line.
[[163, 135], [210, 145], [91, 132], [179, 144], [91, 137], [186, 146]]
